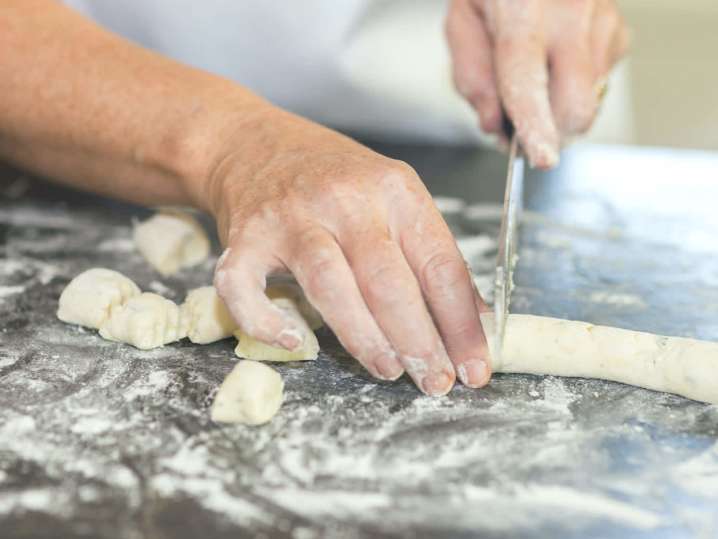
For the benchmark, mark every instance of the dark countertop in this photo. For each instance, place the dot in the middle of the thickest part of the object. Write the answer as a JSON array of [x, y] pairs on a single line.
[[98, 439]]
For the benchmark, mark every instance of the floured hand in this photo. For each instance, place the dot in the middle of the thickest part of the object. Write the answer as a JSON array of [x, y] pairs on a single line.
[[361, 235], [545, 60]]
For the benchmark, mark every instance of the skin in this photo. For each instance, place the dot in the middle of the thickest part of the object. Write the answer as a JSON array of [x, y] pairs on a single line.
[[358, 230], [543, 60]]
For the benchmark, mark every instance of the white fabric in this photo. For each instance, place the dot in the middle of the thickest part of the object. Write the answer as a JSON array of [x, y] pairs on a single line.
[[370, 66], [374, 67]]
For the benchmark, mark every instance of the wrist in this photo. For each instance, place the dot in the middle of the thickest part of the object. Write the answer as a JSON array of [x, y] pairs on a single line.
[[203, 134]]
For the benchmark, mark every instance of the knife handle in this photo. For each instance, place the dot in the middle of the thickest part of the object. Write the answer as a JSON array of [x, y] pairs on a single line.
[[507, 126]]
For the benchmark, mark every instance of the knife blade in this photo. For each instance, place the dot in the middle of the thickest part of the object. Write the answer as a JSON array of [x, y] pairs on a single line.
[[513, 198]]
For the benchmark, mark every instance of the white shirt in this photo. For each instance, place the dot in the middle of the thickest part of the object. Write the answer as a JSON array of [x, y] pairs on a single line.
[[376, 67]]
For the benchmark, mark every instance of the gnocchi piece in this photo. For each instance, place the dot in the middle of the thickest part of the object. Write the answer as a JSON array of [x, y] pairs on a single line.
[[171, 241], [251, 394], [88, 299], [250, 348], [207, 316], [146, 321]]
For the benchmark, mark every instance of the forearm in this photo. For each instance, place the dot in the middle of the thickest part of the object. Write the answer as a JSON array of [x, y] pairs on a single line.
[[85, 107]]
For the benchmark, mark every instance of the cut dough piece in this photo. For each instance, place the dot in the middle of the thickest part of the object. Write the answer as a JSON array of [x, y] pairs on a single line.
[[251, 394], [207, 316], [250, 348], [541, 345], [145, 321], [294, 292], [89, 297], [171, 240]]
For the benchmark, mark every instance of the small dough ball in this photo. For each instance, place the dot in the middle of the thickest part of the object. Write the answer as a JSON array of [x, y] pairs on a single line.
[[145, 321], [171, 240], [207, 316], [249, 348], [88, 299], [251, 394], [294, 292]]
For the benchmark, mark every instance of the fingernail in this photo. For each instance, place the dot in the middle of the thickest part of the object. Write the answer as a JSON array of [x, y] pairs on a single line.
[[437, 384], [473, 373], [544, 156], [389, 369], [290, 339]]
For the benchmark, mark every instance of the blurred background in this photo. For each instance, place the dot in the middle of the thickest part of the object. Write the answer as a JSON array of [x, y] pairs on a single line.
[[388, 74], [672, 72]]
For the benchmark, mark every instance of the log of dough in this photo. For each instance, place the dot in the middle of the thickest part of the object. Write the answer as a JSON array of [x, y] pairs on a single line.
[[207, 316], [250, 348], [541, 345], [145, 321], [171, 240], [251, 394], [88, 299]]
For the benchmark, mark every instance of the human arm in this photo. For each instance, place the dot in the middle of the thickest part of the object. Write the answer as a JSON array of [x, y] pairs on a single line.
[[358, 230]]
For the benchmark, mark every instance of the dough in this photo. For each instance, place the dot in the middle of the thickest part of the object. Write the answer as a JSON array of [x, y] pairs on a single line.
[[540, 345], [207, 317], [251, 394], [294, 292], [250, 348], [145, 321], [89, 297], [171, 240]]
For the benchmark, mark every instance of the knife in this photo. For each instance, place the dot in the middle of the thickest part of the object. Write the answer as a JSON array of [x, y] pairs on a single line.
[[508, 238]]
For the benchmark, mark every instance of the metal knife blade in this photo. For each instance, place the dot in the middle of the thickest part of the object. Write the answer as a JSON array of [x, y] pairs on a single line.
[[513, 198]]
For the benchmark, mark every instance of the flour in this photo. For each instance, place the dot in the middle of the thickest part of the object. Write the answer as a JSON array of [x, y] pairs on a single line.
[[117, 245], [484, 212], [6, 291], [618, 299], [96, 426], [449, 205], [476, 246], [571, 500], [161, 289]]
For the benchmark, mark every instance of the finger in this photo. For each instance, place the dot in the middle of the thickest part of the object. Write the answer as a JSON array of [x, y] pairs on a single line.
[[573, 75], [609, 40], [240, 280], [394, 298], [451, 296], [473, 68], [521, 67], [319, 266]]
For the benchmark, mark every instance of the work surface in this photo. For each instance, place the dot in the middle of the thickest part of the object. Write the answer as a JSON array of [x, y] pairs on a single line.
[[98, 439]]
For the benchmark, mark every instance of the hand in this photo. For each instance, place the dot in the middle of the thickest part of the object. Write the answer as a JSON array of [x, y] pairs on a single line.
[[362, 237], [544, 60]]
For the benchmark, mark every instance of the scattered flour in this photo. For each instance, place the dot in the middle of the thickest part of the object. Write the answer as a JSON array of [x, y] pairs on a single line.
[[476, 246], [6, 291], [161, 289], [449, 205], [117, 245], [617, 299]]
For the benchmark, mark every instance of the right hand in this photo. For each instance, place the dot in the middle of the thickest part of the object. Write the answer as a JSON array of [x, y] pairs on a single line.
[[544, 61], [361, 235]]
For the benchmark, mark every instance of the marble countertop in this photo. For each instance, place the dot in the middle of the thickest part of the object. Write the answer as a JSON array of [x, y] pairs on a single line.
[[98, 439]]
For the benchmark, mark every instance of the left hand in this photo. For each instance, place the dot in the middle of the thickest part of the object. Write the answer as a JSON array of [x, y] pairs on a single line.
[[545, 61]]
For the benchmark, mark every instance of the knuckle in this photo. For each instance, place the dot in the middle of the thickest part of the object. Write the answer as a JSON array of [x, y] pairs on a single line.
[[443, 272], [320, 273], [382, 284], [401, 170], [398, 176], [581, 115]]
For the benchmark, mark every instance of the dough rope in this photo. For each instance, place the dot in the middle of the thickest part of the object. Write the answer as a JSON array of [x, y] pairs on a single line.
[[542, 345]]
